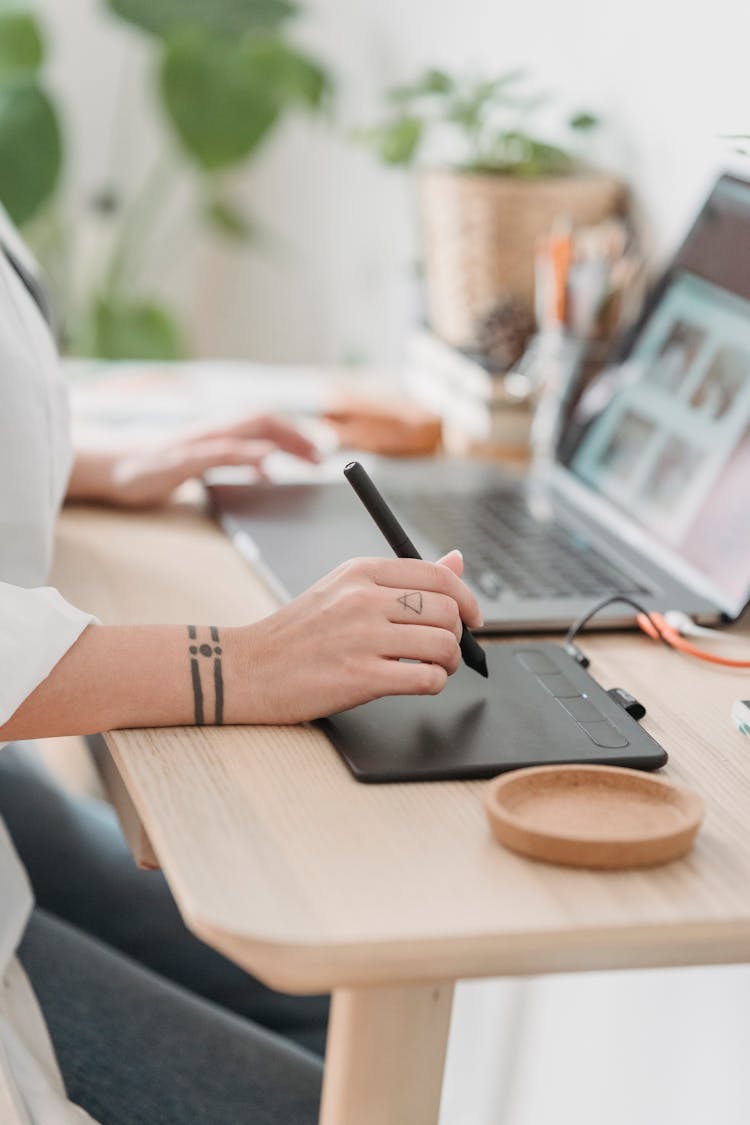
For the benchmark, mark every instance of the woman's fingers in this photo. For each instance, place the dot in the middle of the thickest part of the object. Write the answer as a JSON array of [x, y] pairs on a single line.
[[221, 452], [454, 560], [416, 607], [265, 427], [422, 642], [398, 677], [420, 575], [288, 438], [149, 478]]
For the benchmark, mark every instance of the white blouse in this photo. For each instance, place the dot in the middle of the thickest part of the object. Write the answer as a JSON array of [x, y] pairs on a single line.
[[37, 627]]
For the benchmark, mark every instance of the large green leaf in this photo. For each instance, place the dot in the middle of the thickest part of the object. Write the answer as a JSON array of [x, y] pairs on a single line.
[[294, 77], [21, 44], [227, 17], [30, 148], [224, 97], [133, 330], [219, 105]]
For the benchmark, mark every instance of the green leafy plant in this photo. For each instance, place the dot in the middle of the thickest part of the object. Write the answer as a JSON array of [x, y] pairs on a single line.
[[490, 119], [227, 74], [30, 137]]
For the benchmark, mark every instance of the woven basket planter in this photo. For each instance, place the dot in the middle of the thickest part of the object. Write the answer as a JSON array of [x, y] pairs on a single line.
[[480, 232]]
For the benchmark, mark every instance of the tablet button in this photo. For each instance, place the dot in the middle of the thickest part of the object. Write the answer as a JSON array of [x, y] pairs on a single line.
[[535, 661], [559, 686], [606, 735], [582, 710]]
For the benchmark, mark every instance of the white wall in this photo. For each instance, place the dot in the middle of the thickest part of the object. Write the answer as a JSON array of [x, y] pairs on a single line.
[[669, 78], [655, 1047]]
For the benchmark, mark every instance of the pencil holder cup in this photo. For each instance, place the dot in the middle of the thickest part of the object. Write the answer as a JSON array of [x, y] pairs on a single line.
[[480, 230]]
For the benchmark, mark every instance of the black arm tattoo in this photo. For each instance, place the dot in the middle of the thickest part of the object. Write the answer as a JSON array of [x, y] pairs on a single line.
[[412, 601], [218, 679], [207, 652]]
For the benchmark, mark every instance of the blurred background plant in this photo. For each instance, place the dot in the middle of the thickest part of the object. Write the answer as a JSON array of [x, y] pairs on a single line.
[[227, 74], [491, 182], [491, 119]]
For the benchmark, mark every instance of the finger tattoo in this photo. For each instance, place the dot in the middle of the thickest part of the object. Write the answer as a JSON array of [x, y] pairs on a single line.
[[200, 656], [412, 601]]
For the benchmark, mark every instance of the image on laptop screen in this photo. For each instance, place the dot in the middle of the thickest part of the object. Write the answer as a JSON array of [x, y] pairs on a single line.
[[672, 446]]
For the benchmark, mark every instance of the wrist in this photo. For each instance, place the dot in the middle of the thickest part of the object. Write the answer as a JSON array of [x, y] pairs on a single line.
[[93, 477], [244, 694]]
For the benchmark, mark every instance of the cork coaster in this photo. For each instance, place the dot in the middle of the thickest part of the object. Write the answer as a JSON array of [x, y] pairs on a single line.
[[593, 816]]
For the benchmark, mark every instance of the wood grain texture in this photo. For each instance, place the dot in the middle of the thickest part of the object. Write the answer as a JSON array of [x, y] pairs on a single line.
[[312, 881]]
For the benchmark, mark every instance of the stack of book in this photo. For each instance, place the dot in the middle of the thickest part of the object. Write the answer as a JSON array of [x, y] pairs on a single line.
[[484, 413]]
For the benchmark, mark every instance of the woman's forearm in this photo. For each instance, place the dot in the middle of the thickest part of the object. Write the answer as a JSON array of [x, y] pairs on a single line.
[[137, 676], [373, 627]]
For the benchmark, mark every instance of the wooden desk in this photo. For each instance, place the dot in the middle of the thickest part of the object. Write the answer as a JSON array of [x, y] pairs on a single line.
[[387, 895]]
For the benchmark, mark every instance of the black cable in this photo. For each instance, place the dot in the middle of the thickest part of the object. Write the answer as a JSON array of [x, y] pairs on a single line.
[[582, 622]]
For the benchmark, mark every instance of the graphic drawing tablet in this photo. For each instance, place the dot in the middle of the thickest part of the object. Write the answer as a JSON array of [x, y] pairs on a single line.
[[538, 707]]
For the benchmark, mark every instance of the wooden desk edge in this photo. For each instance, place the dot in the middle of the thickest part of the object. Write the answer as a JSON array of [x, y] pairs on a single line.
[[312, 968], [111, 776]]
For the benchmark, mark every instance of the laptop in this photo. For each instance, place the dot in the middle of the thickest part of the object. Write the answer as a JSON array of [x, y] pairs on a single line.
[[646, 495]]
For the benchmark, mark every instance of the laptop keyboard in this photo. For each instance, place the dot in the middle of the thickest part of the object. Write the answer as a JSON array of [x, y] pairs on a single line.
[[507, 551]]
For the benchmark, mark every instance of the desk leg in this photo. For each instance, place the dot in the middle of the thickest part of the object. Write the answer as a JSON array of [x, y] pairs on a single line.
[[385, 1055], [117, 793]]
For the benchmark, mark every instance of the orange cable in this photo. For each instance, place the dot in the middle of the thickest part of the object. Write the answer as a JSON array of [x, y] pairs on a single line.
[[657, 628]]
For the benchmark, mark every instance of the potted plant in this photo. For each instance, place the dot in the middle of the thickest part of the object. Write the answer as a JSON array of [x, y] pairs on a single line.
[[494, 192], [227, 74]]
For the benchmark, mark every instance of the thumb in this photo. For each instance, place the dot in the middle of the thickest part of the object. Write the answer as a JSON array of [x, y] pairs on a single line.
[[454, 561]]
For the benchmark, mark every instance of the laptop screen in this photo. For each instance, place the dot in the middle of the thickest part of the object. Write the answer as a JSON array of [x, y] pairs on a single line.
[[665, 433]]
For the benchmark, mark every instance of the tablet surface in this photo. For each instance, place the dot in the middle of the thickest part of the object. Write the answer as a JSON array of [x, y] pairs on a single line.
[[538, 707]]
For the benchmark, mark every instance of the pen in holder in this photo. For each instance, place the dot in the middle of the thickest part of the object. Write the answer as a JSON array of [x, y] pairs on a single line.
[[554, 362], [556, 368], [584, 290]]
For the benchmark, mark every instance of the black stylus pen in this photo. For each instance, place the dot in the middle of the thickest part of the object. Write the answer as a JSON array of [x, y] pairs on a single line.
[[472, 652]]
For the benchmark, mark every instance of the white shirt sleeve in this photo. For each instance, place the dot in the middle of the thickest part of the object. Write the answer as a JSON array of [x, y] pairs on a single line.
[[37, 627]]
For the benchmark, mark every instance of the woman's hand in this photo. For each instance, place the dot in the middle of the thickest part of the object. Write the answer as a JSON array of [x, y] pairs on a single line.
[[147, 478], [346, 639]]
